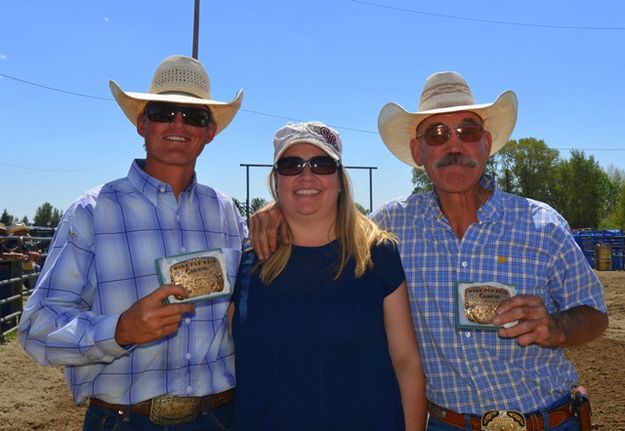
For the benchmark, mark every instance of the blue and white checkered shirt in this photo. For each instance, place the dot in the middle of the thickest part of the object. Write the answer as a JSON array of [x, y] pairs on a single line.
[[516, 241], [101, 261]]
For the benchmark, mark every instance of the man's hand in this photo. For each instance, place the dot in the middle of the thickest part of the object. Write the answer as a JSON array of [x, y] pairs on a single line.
[[34, 256], [535, 325], [569, 328], [265, 225], [151, 318]]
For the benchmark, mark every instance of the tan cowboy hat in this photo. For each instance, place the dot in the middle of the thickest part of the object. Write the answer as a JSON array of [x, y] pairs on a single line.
[[178, 79], [445, 92], [18, 227]]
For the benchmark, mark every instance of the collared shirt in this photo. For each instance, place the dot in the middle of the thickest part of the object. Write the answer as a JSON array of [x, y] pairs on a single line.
[[516, 241], [102, 260]]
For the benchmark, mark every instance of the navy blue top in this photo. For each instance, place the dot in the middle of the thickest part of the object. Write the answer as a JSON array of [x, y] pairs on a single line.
[[311, 352]]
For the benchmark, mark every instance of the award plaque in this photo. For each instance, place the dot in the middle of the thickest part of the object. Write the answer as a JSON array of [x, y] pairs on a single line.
[[202, 274], [477, 304]]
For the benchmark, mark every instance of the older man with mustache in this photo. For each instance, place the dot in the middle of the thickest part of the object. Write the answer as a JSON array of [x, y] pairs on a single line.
[[497, 285]]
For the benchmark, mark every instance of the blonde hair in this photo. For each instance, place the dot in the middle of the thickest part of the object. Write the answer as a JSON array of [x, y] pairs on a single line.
[[356, 235]]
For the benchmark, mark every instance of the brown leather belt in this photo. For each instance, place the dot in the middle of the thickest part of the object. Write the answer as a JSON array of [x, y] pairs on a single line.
[[144, 407], [534, 421]]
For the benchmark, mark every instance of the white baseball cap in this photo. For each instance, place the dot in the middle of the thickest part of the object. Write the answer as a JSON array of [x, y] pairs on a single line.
[[311, 132]]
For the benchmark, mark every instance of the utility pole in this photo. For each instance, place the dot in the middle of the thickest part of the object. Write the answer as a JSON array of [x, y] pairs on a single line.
[[196, 27]]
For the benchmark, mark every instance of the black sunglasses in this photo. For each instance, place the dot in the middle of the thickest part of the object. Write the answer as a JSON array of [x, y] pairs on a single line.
[[166, 112], [438, 134], [319, 165]]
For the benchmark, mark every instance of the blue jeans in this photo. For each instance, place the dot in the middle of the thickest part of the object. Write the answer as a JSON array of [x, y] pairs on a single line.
[[100, 419], [570, 424]]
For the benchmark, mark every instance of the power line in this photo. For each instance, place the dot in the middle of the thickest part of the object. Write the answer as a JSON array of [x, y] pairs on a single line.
[[62, 171], [54, 89], [490, 21], [587, 149], [298, 120], [266, 114]]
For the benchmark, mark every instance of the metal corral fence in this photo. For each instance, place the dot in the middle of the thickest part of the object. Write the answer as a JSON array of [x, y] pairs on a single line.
[[17, 280], [13, 291], [604, 249]]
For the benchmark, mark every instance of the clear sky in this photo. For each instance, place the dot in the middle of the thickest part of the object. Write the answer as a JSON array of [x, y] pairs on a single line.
[[337, 61]]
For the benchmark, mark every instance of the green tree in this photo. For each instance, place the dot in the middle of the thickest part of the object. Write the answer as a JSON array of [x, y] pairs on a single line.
[[421, 181], [528, 167], [582, 190], [7, 218], [255, 205], [362, 209], [616, 178], [502, 164], [240, 206], [620, 211], [56, 217], [615, 202], [491, 167], [47, 216]]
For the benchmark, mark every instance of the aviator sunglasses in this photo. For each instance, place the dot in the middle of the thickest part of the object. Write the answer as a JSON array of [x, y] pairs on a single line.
[[166, 112], [319, 165], [439, 133]]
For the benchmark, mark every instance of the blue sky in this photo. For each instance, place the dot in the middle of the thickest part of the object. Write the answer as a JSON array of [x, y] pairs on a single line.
[[335, 61]]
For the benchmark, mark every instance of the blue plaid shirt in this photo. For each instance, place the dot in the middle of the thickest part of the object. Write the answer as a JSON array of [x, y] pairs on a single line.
[[101, 261], [516, 241]]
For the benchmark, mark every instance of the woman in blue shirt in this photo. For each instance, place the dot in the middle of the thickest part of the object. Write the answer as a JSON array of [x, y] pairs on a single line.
[[323, 332]]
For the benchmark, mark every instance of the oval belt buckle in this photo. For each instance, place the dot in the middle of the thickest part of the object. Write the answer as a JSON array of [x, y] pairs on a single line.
[[503, 420]]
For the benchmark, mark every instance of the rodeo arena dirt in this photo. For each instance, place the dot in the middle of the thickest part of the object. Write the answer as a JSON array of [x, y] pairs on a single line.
[[34, 397]]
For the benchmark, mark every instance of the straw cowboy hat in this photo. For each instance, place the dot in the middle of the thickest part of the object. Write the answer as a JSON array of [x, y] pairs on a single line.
[[18, 227], [181, 80], [445, 92]]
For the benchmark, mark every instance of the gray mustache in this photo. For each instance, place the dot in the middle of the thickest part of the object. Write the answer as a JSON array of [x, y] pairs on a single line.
[[456, 159]]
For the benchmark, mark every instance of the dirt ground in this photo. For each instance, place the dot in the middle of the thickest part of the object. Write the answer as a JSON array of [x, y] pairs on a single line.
[[33, 397]]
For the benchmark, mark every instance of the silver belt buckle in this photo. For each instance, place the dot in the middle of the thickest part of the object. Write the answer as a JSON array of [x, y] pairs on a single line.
[[173, 410], [503, 420]]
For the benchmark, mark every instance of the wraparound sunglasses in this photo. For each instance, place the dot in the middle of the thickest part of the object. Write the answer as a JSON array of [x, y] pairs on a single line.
[[166, 112], [319, 165]]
